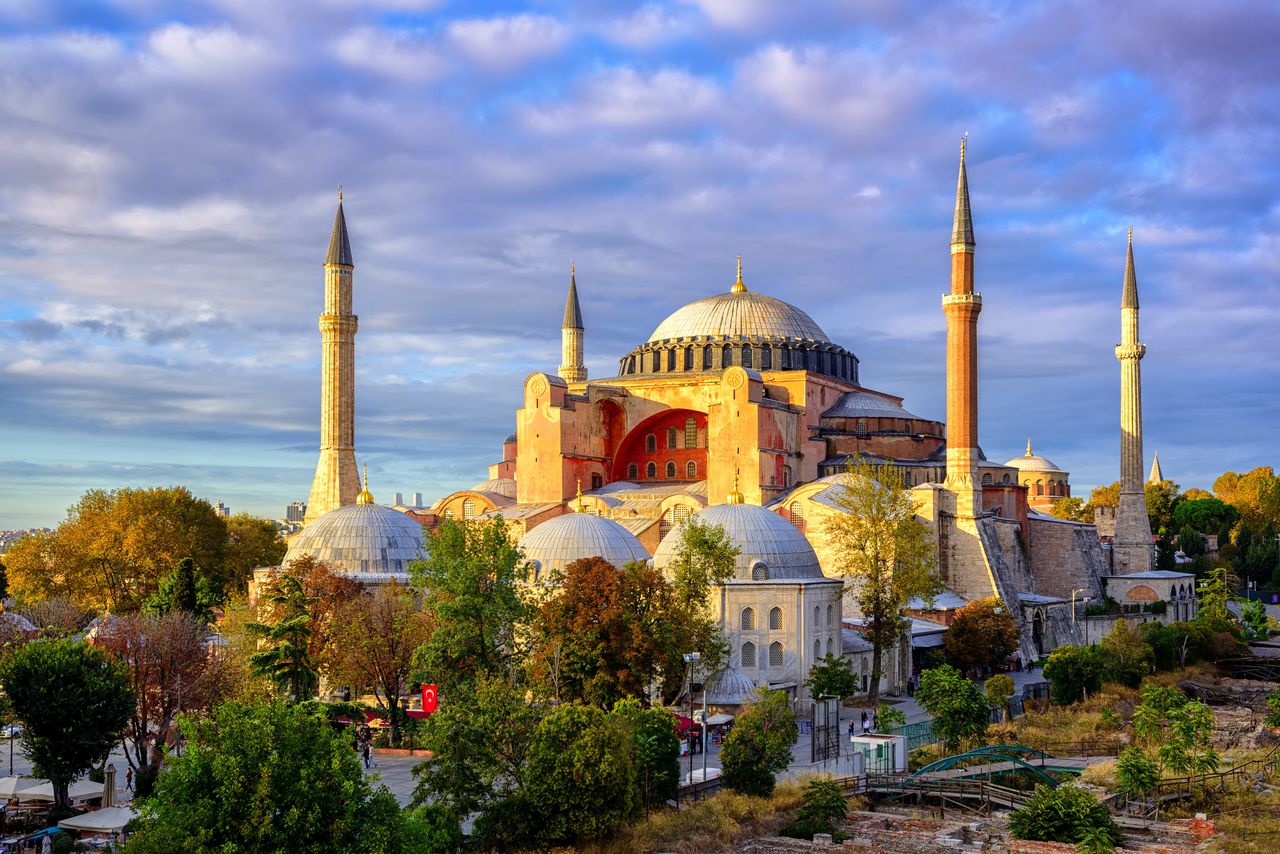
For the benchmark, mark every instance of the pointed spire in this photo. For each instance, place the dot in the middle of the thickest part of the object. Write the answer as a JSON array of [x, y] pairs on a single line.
[[365, 496], [572, 311], [1130, 298], [339, 243], [1156, 476], [962, 227], [1028, 446], [738, 286]]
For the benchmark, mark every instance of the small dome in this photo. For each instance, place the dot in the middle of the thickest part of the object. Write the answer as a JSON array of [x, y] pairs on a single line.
[[499, 485], [744, 314], [560, 541], [360, 539], [770, 546], [730, 687], [1033, 462]]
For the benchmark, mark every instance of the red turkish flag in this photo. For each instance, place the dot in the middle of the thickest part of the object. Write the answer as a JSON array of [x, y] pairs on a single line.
[[428, 698]]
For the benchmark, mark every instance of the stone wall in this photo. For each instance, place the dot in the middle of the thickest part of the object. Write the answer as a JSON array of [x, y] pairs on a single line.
[[1066, 556]]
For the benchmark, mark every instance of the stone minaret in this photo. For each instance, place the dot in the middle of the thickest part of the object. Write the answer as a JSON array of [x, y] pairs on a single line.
[[962, 307], [1131, 547], [337, 481], [572, 369]]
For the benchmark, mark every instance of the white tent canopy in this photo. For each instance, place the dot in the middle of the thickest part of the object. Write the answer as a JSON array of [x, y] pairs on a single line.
[[80, 790], [107, 820], [9, 785]]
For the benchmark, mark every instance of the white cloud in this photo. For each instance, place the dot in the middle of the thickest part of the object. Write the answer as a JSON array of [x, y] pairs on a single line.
[[626, 98], [403, 56], [649, 26], [207, 51], [505, 44]]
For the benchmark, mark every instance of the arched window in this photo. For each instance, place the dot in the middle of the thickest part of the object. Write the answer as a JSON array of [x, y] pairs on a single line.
[[986, 479], [690, 434], [748, 619], [759, 571], [775, 654], [671, 469], [829, 646], [829, 614], [672, 438], [633, 471], [671, 359], [688, 358], [746, 355], [766, 358], [596, 481], [680, 513], [651, 443], [860, 426], [1005, 480], [631, 364], [726, 356], [449, 514], [1039, 488], [817, 616], [784, 359], [786, 476], [817, 650], [691, 470], [749, 656], [469, 508], [651, 470], [706, 357], [775, 619], [796, 514]]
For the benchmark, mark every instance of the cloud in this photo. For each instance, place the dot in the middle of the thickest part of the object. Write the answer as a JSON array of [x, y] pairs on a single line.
[[504, 44], [649, 26], [624, 98], [401, 56]]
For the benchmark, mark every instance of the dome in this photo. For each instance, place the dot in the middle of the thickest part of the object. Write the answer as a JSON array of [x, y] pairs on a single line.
[[729, 687], [498, 485], [745, 314], [360, 539], [560, 541], [1033, 462], [770, 546]]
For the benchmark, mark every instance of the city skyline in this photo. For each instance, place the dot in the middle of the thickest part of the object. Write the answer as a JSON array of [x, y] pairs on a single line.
[[173, 185]]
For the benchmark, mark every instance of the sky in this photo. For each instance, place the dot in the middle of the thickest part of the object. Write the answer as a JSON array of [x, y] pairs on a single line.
[[171, 171]]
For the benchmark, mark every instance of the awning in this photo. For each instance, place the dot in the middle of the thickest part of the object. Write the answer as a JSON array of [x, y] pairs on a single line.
[[9, 785], [719, 719], [107, 820], [80, 790]]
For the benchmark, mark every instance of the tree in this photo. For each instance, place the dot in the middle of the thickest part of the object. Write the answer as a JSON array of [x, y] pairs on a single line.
[[824, 805], [1272, 718], [473, 600], [705, 558], [1181, 730], [830, 676], [889, 718], [4, 581], [760, 743], [170, 671], [56, 617], [1000, 689], [885, 551], [373, 645], [960, 710], [73, 701], [1136, 773], [267, 777], [657, 750], [184, 586], [607, 633], [1072, 509], [982, 633], [1073, 672], [1063, 814], [285, 660], [1126, 655], [1254, 494], [1162, 499], [114, 547], [1206, 516], [1254, 620], [251, 543], [1217, 589]]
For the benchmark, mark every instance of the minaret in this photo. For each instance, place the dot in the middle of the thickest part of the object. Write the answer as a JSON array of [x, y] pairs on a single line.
[[961, 308], [1131, 547], [572, 369], [1157, 474], [337, 481]]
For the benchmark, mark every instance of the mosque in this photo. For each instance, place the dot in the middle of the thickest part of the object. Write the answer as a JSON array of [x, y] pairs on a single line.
[[740, 410]]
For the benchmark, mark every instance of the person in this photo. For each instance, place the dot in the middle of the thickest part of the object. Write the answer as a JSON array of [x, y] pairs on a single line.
[[866, 725], [367, 752], [852, 732], [128, 779]]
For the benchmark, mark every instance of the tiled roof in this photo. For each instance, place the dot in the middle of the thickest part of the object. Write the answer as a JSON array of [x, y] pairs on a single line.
[[743, 314], [760, 535], [560, 541], [360, 539]]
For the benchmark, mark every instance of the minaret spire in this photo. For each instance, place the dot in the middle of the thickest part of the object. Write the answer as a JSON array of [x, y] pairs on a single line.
[[1157, 474], [1131, 547], [572, 367], [962, 223], [337, 480]]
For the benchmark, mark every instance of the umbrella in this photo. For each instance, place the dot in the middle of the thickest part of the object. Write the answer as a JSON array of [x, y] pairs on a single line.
[[107, 820], [80, 790], [109, 787]]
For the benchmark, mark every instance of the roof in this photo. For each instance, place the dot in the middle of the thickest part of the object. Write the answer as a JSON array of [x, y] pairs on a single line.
[[1153, 573], [729, 687], [572, 311], [762, 537], [1033, 462], [947, 600], [861, 404], [1129, 299], [852, 642], [360, 539], [523, 511], [733, 315], [1039, 599], [499, 485], [962, 224], [339, 244], [558, 542]]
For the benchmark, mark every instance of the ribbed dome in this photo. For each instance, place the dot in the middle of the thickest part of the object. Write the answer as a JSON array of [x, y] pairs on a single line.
[[765, 540], [499, 485], [1033, 462], [730, 687], [559, 542], [739, 314], [360, 539]]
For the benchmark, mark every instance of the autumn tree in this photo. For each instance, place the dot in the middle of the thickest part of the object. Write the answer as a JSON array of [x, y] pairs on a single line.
[[373, 643], [1073, 509], [56, 616], [885, 552], [252, 543], [285, 656], [1126, 655], [982, 633], [327, 593], [1255, 494]]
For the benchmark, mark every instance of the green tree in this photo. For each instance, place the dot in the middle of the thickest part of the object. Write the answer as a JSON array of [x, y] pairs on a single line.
[[73, 701], [823, 806], [982, 633], [1206, 516], [830, 676], [1163, 498], [1254, 620], [885, 552], [1136, 772], [473, 601], [1217, 589], [1181, 730], [999, 689], [267, 777], [657, 750], [1272, 718], [1063, 814], [184, 586], [285, 660], [186, 589], [889, 718], [1126, 655], [251, 543], [704, 559], [1072, 509], [760, 743], [960, 710], [1073, 672]]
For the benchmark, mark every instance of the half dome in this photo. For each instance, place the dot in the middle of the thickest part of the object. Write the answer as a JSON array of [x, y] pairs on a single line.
[[734, 315], [498, 485], [556, 543], [770, 547], [360, 539]]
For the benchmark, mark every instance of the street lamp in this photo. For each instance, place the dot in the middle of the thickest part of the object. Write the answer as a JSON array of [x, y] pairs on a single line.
[[691, 660], [1073, 601]]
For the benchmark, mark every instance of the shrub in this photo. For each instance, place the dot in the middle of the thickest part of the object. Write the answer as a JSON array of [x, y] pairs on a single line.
[[1063, 814], [759, 746], [824, 805], [1000, 689], [1073, 673], [1136, 772], [1126, 655], [889, 718]]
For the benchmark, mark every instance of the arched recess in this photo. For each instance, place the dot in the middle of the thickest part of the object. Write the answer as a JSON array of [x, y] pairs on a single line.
[[613, 423], [632, 449]]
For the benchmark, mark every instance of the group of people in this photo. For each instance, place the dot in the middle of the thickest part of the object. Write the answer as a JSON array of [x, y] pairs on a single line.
[[364, 745], [868, 723]]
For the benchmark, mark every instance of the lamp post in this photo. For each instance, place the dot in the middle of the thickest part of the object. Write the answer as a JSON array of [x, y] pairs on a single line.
[[691, 660], [1073, 601]]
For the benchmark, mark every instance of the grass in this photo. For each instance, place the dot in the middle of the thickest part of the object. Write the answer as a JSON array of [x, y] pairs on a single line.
[[1103, 716]]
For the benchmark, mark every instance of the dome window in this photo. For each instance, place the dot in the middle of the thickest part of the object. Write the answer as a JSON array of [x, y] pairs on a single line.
[[535, 570], [796, 513], [651, 470], [775, 654], [746, 355], [1039, 488], [448, 513], [633, 471], [688, 358], [748, 656], [1005, 480], [651, 443], [469, 509], [691, 470], [775, 620], [766, 358], [748, 622], [706, 357], [760, 572], [671, 360], [671, 469], [672, 438], [726, 356]]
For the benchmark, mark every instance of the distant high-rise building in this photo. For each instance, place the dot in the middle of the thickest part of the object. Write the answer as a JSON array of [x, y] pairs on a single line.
[[399, 499], [222, 510], [417, 499], [295, 512]]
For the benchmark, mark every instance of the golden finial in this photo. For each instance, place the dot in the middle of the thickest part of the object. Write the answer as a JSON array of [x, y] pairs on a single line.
[[580, 508], [735, 497], [738, 287], [1028, 446], [365, 496], [339, 192]]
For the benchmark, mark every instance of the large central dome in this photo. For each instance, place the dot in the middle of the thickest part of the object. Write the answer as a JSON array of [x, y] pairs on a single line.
[[743, 314]]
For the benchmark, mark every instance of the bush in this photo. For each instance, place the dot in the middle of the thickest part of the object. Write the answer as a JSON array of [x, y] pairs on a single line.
[[1073, 673], [1063, 814], [824, 804], [1136, 772]]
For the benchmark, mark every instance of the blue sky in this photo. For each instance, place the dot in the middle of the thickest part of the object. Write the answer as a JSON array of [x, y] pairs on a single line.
[[170, 182]]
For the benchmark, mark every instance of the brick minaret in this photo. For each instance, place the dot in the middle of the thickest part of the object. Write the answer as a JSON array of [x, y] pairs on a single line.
[[337, 481], [962, 307], [572, 369], [1131, 547]]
